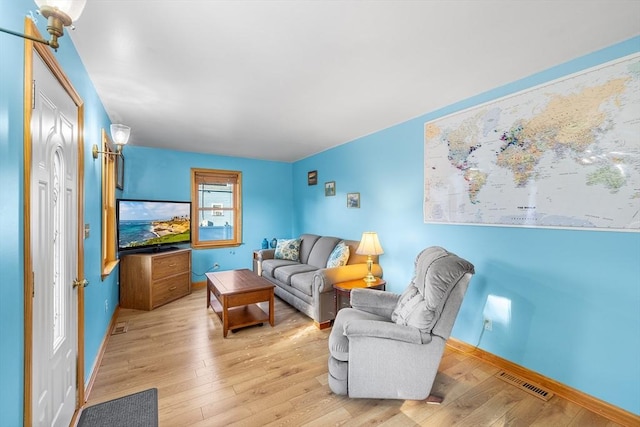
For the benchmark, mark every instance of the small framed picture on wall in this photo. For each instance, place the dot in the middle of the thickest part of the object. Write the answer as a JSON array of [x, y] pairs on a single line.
[[330, 188], [353, 200], [312, 177]]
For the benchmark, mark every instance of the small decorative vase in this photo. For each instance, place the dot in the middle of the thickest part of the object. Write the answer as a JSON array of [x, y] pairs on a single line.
[[265, 243], [274, 242]]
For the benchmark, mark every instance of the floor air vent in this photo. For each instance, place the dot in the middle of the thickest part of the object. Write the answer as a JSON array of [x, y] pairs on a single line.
[[120, 328], [529, 387]]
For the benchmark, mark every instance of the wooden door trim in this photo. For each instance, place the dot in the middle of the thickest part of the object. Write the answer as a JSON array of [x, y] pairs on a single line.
[[50, 61]]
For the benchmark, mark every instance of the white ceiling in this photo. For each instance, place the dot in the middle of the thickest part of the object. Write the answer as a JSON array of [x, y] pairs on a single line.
[[283, 80]]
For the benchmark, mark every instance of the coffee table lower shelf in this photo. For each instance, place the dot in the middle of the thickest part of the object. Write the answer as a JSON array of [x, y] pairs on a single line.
[[234, 296], [240, 317]]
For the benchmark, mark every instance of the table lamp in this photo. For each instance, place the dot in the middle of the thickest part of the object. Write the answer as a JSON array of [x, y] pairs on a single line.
[[369, 245]]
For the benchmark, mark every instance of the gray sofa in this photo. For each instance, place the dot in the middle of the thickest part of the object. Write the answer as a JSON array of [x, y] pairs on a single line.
[[307, 284]]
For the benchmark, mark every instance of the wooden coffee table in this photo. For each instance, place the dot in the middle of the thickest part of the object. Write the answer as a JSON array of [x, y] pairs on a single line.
[[236, 294]]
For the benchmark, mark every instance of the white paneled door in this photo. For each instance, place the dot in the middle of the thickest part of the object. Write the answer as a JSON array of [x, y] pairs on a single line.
[[54, 228]]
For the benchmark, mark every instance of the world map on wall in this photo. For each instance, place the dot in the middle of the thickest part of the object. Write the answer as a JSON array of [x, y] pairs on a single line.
[[561, 155]]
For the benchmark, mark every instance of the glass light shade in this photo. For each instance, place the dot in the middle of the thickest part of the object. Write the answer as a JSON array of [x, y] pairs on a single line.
[[120, 134], [369, 244], [72, 8]]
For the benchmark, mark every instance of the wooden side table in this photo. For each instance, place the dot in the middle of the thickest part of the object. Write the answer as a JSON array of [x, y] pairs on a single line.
[[257, 263], [343, 290]]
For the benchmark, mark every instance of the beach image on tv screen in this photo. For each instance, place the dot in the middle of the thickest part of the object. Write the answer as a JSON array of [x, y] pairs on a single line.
[[142, 223]]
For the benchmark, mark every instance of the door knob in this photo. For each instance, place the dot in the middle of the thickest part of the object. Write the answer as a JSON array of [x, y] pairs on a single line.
[[84, 283]]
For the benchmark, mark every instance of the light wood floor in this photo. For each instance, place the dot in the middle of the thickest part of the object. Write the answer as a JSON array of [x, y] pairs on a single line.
[[278, 376]]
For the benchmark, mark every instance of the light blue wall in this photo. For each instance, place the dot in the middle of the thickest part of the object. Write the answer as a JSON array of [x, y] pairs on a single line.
[[12, 173], [11, 248], [266, 197], [575, 295]]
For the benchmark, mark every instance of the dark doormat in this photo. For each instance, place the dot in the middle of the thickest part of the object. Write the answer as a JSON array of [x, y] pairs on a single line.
[[135, 410]]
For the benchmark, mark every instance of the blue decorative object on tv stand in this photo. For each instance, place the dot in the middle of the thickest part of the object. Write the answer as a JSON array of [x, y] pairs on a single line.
[[265, 243], [274, 242]]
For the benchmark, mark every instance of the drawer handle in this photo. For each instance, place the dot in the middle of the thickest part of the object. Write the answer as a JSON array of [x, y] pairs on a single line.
[[173, 288], [172, 265]]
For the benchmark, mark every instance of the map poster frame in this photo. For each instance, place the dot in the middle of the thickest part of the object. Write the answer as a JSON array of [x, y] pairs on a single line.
[[564, 154]]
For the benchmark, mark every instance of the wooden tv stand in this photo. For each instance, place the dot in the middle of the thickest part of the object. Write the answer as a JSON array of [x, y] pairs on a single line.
[[149, 280]]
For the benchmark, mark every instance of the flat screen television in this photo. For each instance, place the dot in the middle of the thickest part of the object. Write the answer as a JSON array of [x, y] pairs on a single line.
[[152, 224]]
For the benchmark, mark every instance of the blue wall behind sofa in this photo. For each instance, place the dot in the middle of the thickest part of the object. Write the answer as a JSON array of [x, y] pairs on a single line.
[[575, 295]]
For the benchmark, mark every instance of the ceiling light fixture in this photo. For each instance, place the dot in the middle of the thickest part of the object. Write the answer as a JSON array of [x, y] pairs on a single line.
[[59, 14], [120, 135]]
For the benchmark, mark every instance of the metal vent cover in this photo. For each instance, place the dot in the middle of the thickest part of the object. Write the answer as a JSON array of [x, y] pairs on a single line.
[[120, 328], [531, 388]]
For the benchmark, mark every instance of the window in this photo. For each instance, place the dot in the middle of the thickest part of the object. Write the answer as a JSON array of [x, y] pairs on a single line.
[[216, 208], [109, 260]]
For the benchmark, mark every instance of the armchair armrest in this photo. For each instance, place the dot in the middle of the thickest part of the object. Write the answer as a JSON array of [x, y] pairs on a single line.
[[372, 301], [385, 330], [324, 278]]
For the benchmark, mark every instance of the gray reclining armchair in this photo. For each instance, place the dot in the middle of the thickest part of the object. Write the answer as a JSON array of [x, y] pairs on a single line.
[[389, 346]]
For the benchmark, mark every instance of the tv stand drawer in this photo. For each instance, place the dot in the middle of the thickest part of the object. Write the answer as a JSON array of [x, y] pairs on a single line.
[[167, 290], [168, 264], [149, 280]]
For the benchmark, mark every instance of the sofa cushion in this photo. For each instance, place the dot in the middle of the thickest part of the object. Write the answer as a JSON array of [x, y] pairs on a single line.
[[285, 273], [306, 244], [339, 256], [321, 251], [288, 249], [269, 266], [303, 282]]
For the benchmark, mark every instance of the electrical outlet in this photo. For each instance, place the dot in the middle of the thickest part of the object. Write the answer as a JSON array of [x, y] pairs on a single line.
[[488, 325], [106, 306]]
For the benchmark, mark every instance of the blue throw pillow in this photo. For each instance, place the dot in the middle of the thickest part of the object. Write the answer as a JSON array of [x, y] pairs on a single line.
[[339, 256]]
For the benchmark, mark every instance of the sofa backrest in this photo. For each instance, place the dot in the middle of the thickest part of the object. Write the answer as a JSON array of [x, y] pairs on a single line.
[[307, 241], [321, 251], [355, 258], [315, 250]]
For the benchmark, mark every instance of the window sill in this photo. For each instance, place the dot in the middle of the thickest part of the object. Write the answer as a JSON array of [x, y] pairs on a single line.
[[109, 267], [212, 245]]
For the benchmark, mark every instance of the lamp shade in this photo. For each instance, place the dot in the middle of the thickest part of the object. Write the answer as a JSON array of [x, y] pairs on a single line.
[[72, 8], [369, 244], [120, 134]]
